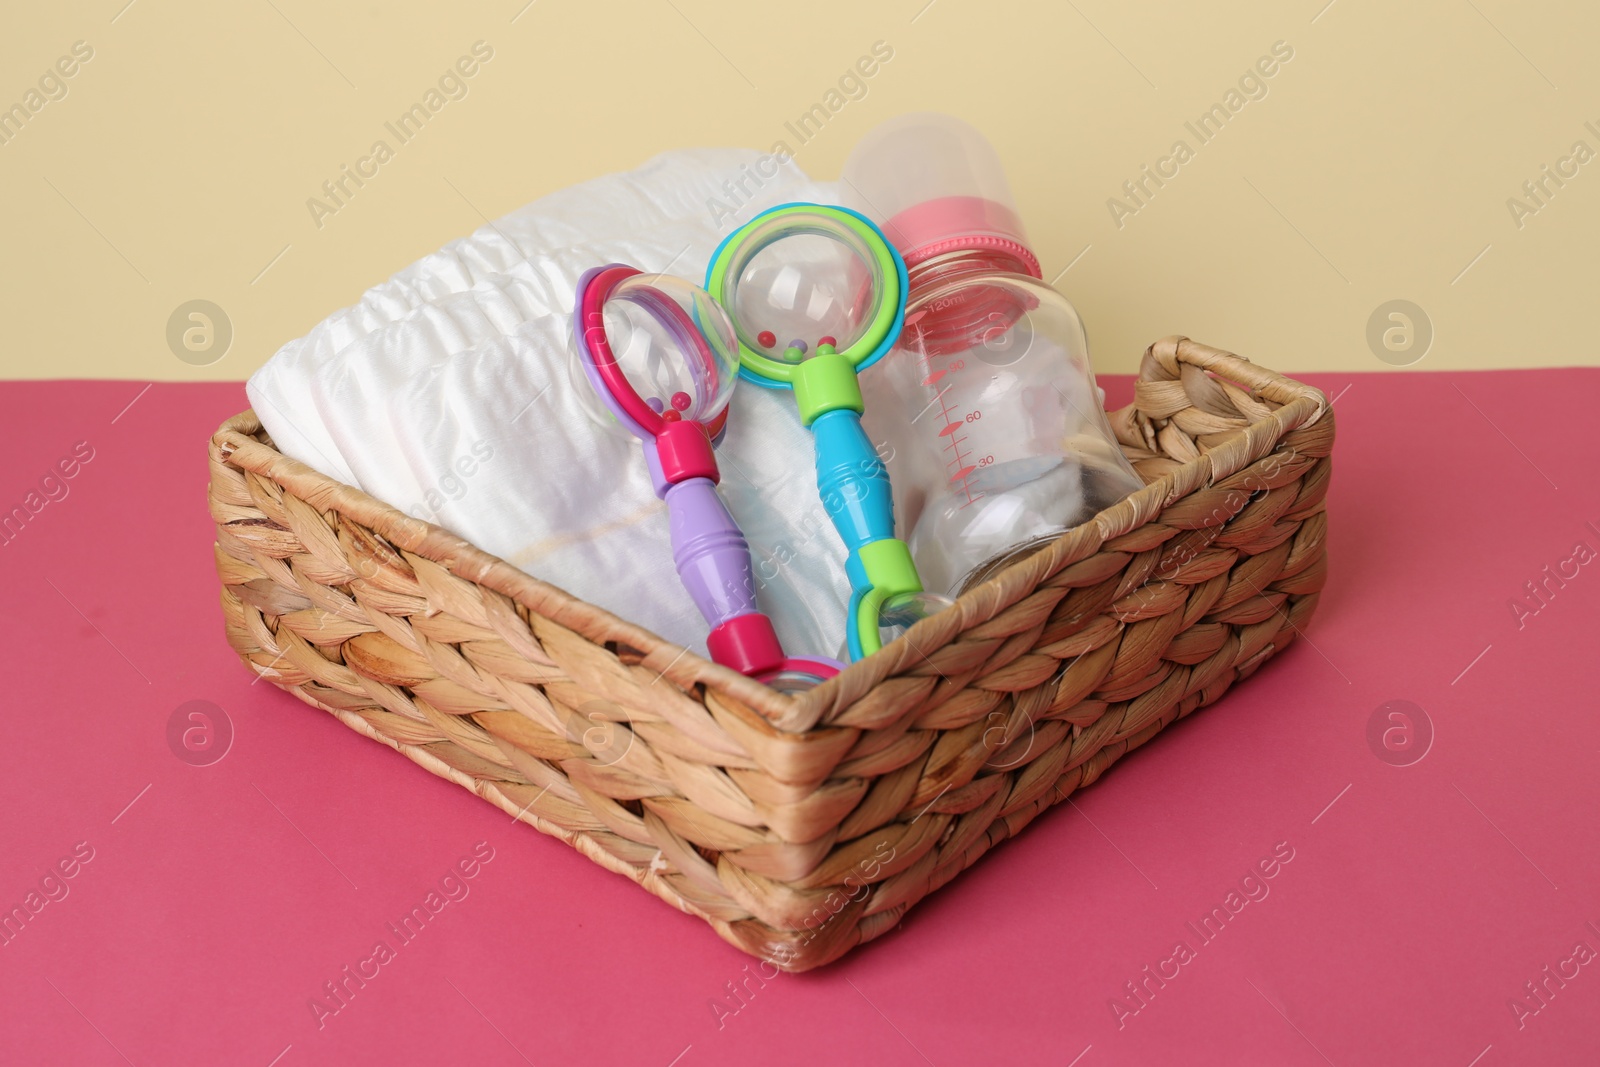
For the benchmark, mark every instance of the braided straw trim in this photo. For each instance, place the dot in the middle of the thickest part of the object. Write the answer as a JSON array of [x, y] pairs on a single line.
[[799, 827]]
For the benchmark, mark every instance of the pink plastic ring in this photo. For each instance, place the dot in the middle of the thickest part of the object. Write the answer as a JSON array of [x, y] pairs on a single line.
[[821, 668], [594, 297], [592, 302]]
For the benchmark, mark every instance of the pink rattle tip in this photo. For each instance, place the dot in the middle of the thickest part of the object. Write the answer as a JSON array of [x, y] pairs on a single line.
[[766, 338], [747, 643], [680, 401]]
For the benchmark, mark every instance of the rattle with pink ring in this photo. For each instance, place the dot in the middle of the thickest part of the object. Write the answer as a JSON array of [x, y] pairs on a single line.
[[663, 358]]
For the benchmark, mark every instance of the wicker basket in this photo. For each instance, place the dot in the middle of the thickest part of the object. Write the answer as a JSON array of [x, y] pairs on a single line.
[[799, 827]]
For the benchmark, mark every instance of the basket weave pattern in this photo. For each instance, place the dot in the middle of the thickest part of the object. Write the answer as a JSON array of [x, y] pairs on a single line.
[[799, 827]]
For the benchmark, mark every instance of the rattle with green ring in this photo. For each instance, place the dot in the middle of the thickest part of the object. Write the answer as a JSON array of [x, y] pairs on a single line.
[[851, 478]]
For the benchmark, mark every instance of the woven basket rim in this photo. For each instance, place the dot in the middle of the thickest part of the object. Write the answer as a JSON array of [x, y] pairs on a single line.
[[235, 442]]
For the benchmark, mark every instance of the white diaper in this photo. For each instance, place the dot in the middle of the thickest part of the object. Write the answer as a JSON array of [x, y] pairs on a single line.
[[447, 391]]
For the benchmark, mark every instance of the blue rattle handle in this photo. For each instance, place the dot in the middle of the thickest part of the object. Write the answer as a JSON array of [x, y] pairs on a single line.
[[854, 486], [852, 480]]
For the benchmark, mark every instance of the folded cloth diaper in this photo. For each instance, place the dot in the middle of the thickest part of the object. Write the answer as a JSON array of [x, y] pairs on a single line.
[[449, 392]]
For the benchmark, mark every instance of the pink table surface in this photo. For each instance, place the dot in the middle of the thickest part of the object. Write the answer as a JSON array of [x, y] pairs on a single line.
[[1419, 900]]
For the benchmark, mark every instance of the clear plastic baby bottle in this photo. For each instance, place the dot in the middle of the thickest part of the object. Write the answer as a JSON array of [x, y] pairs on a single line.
[[986, 412]]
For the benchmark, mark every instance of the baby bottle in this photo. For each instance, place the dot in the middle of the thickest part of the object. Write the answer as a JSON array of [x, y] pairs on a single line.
[[986, 411]]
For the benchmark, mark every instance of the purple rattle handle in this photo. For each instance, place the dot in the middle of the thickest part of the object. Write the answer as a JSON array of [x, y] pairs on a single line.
[[712, 555]]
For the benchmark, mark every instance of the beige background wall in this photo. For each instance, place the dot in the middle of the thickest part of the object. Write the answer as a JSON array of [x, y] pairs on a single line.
[[1377, 166]]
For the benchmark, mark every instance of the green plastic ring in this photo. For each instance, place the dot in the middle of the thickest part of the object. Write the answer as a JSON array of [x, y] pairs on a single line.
[[883, 259], [867, 613]]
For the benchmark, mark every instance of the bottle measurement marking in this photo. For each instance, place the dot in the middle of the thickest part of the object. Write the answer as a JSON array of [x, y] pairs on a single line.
[[954, 440]]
